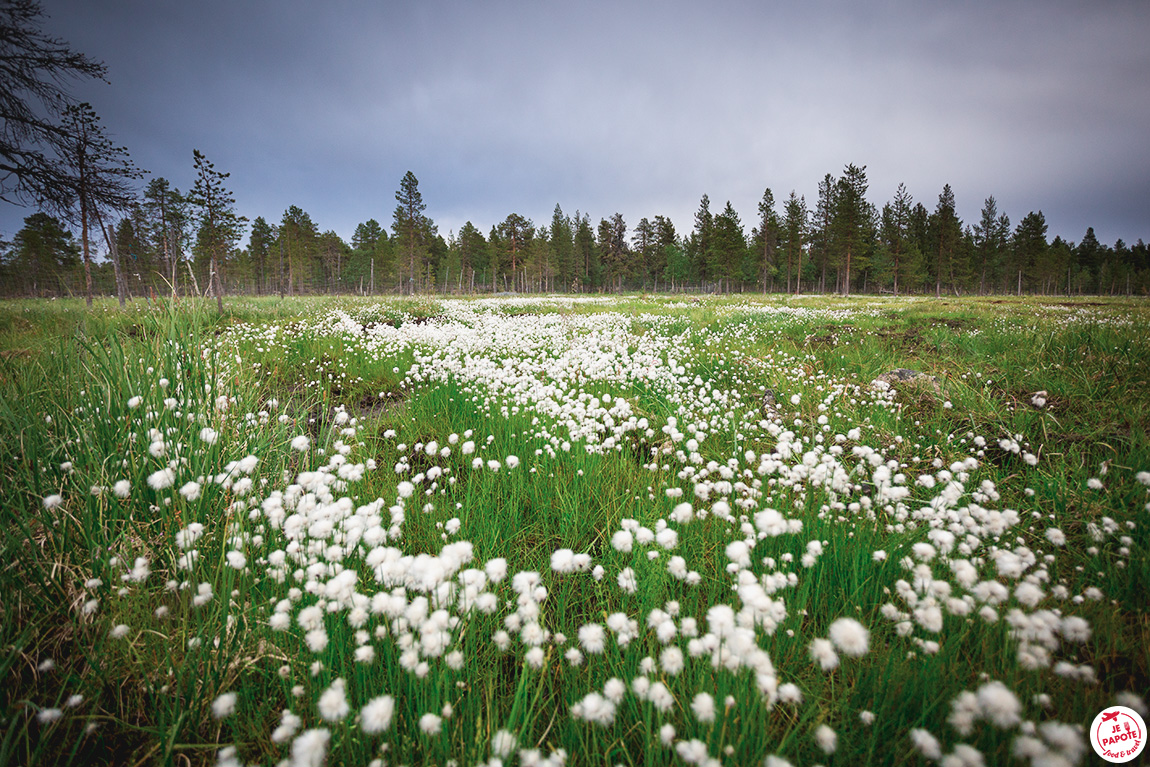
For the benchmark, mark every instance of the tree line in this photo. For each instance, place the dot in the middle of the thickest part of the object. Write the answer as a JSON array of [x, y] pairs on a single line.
[[56, 156], [167, 241]]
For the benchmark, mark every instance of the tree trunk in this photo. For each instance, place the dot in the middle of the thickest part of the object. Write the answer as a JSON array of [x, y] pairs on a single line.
[[115, 256], [219, 288], [87, 254]]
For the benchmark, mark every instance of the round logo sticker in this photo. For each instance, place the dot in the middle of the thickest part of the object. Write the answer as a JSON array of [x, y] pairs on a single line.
[[1118, 734]]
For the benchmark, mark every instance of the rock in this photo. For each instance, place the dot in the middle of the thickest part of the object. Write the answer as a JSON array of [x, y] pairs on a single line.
[[769, 400], [913, 377]]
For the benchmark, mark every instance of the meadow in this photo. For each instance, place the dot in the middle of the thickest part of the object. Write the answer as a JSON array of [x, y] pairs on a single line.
[[638, 530]]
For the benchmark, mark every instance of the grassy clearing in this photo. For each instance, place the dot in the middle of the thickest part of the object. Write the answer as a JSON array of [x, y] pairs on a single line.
[[545, 531]]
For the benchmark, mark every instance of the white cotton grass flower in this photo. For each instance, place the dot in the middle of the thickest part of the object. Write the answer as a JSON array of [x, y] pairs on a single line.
[[692, 751], [310, 748], [999, 705], [190, 491], [301, 443], [823, 653], [162, 479], [503, 743], [332, 703], [287, 728], [850, 637], [224, 705], [52, 501], [563, 560], [614, 689], [1134, 701], [596, 709], [431, 724], [703, 706], [48, 715], [209, 435], [375, 717], [826, 739], [789, 692], [122, 488], [926, 744]]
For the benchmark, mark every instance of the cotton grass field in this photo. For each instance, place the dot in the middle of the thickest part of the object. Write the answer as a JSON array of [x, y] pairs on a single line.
[[567, 531]]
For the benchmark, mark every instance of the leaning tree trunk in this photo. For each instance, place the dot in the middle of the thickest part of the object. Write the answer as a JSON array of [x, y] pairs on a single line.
[[114, 254], [218, 286]]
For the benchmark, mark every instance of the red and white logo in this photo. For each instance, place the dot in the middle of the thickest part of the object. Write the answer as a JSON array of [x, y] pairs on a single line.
[[1118, 734]]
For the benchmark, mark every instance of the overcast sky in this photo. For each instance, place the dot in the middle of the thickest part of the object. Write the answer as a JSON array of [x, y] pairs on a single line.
[[641, 108]]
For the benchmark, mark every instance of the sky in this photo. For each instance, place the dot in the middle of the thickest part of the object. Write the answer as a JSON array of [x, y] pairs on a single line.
[[632, 107]]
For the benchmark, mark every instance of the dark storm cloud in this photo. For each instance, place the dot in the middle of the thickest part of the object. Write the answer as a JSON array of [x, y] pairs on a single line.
[[637, 108]]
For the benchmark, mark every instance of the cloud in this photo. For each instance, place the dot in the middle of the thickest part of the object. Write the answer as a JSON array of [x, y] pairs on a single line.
[[501, 107]]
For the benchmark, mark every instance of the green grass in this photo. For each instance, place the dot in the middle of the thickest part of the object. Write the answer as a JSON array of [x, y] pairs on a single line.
[[269, 371]]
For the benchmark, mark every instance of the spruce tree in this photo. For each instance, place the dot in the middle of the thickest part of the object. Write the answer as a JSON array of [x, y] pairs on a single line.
[[562, 239], [766, 238], [852, 225], [700, 242], [822, 236], [947, 236], [1028, 246], [44, 255], [794, 237], [991, 234]]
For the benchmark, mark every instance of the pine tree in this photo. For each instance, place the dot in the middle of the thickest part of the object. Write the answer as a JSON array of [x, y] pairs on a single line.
[[35, 147], [220, 227], [167, 211], [299, 244], [853, 224], [514, 233], [410, 225], [101, 181]]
